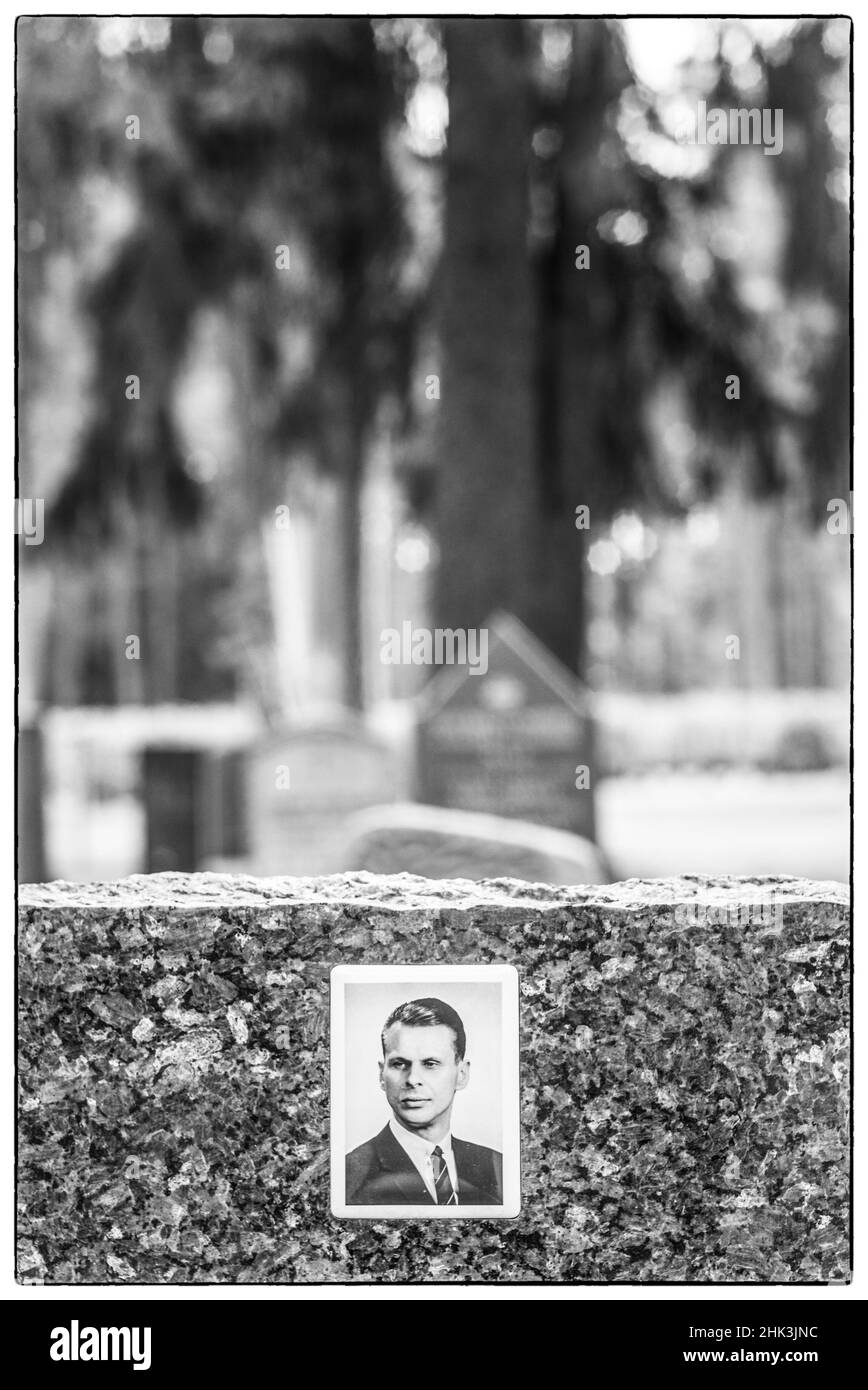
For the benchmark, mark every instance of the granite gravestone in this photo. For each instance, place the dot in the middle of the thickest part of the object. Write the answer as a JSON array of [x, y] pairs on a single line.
[[684, 1079], [300, 788], [514, 741]]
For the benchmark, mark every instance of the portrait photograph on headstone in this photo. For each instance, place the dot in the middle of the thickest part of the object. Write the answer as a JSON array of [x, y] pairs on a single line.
[[434, 584], [409, 1047]]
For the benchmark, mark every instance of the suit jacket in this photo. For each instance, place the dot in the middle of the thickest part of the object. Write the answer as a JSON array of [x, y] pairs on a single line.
[[380, 1173]]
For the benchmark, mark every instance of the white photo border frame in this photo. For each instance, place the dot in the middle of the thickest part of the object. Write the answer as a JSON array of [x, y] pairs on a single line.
[[507, 977]]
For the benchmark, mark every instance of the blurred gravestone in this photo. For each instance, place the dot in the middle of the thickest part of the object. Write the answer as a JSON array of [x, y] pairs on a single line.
[[300, 788], [194, 807], [509, 741], [172, 782], [442, 843], [225, 809], [31, 830]]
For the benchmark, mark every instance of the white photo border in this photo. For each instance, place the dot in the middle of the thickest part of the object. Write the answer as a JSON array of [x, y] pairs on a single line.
[[507, 977]]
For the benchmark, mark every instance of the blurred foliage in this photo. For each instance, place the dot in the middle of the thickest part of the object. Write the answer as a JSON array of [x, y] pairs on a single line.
[[279, 144], [687, 286], [260, 132]]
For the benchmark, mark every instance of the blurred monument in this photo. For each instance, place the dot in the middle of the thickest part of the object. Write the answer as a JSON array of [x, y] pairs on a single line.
[[515, 742], [439, 843], [300, 786], [195, 806], [30, 846]]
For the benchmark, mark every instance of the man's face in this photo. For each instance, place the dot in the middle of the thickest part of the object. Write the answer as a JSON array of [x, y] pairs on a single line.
[[420, 1073]]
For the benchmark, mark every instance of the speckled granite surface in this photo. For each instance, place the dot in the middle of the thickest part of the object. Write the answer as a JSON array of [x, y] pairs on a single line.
[[684, 1079]]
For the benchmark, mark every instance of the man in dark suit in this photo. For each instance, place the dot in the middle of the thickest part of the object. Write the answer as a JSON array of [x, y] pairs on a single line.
[[415, 1161]]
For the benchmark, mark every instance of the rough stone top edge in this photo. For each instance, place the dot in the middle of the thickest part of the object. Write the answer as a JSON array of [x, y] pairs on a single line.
[[407, 892]]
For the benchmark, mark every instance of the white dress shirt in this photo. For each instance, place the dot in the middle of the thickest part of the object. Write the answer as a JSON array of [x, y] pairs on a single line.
[[419, 1151]]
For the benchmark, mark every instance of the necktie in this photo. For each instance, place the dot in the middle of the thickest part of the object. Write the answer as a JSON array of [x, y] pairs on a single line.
[[446, 1193]]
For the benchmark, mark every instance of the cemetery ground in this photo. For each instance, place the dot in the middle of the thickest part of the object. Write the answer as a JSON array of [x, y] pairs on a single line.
[[735, 822]]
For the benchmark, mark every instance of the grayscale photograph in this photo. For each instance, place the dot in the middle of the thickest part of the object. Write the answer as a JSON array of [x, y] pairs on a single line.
[[436, 1054], [433, 569]]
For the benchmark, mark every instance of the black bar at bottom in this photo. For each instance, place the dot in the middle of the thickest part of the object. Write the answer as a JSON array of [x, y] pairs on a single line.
[[815, 1338]]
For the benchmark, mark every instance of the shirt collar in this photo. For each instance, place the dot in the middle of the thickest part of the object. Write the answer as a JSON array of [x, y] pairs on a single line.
[[415, 1145]]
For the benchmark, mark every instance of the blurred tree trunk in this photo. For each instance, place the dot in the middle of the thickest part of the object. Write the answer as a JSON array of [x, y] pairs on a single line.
[[356, 231], [517, 451], [579, 316], [557, 607], [485, 487], [349, 451]]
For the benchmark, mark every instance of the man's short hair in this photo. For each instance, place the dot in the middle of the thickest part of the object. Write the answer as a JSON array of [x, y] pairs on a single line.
[[427, 1013]]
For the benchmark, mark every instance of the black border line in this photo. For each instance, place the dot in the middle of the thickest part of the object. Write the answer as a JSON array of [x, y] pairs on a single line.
[[431, 1283]]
